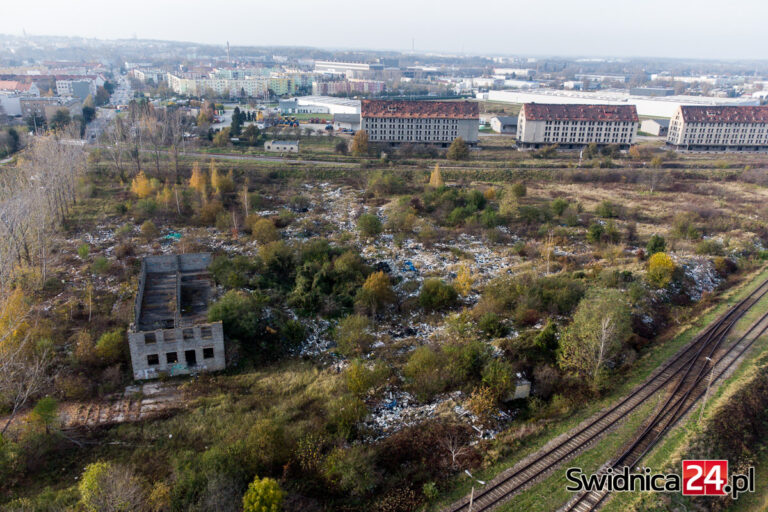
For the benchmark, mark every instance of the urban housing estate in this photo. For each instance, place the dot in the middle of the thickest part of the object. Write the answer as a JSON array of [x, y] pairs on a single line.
[[729, 128], [171, 334], [420, 122], [573, 126]]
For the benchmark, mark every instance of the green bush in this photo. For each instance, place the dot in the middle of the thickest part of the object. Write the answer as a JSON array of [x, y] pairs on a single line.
[[110, 347], [426, 373], [498, 376], [595, 233], [437, 294], [353, 335], [607, 209], [369, 225], [519, 190], [559, 206], [83, 251], [491, 325], [100, 265], [710, 247], [655, 244]]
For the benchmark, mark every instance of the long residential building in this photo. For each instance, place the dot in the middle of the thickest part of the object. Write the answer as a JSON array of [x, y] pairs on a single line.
[[573, 126], [719, 128], [420, 122]]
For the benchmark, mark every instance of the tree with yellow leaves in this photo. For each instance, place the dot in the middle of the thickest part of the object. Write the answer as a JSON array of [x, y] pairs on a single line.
[[198, 181], [464, 280], [142, 186], [165, 196], [436, 178], [215, 177]]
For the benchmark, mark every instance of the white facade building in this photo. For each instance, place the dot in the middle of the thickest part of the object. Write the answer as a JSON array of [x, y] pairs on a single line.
[[719, 129], [420, 122], [576, 126]]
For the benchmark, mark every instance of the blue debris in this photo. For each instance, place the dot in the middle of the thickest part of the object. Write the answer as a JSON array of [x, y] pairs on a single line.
[[391, 405], [408, 266], [173, 235]]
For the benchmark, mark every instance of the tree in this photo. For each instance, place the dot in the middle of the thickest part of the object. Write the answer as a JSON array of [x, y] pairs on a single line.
[[353, 335], [600, 327], [458, 150], [60, 119], [237, 123], [341, 147], [263, 495], [375, 293], [221, 139], [89, 114], [464, 280], [359, 146], [519, 190], [264, 230], [198, 181], [436, 294], [369, 225], [149, 231], [105, 487], [45, 413], [111, 346], [655, 244], [142, 186], [661, 268], [436, 178]]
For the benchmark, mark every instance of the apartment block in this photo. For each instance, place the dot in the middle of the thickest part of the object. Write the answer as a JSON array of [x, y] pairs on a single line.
[[724, 128], [573, 126], [420, 122]]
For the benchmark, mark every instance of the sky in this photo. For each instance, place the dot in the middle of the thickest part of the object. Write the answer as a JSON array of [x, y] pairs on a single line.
[[655, 28]]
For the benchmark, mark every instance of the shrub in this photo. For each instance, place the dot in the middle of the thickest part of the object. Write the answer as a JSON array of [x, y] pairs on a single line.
[[209, 211], [436, 294], [519, 190], [263, 495], [660, 269], [104, 486], [498, 376], [240, 313], [607, 209], [344, 414], [100, 265], [83, 251], [263, 230], [491, 325], [149, 231], [353, 335], [145, 208], [482, 403], [595, 233], [656, 244], [110, 347], [710, 247], [425, 373], [375, 293], [360, 379], [369, 225], [559, 206], [352, 470]]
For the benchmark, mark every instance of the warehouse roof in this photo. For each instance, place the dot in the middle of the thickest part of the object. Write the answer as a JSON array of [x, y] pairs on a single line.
[[421, 109], [576, 112], [740, 114]]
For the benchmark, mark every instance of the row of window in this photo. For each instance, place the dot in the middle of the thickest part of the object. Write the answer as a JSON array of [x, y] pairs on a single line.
[[173, 357], [408, 120], [169, 335], [589, 123]]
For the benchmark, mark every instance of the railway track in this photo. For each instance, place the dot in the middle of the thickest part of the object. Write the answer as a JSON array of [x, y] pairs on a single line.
[[684, 367], [693, 385]]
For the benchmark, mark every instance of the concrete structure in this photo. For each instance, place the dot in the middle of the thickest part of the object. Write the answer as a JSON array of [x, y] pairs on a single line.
[[148, 74], [46, 107], [349, 86], [576, 126], [170, 334], [661, 106], [344, 68], [420, 122], [10, 104], [282, 146], [657, 127], [719, 129], [504, 124], [78, 88], [191, 84]]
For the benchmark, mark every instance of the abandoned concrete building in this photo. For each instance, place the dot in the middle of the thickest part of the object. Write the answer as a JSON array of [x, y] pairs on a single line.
[[171, 334]]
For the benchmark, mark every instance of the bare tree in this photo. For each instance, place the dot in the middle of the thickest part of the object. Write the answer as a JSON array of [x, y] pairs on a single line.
[[455, 444]]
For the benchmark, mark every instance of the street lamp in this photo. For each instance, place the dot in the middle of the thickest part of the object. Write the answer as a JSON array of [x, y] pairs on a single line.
[[472, 493]]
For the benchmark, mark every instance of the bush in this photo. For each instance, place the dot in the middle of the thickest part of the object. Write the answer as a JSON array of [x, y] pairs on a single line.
[[263, 230], [100, 265], [436, 294], [458, 150], [498, 376], [83, 251], [369, 225], [655, 244], [149, 231], [353, 335], [360, 379], [145, 208], [519, 190], [426, 373], [107, 487], [263, 495], [607, 209], [110, 347], [661, 268], [375, 293], [595, 233], [240, 313], [558, 206], [710, 247], [491, 325]]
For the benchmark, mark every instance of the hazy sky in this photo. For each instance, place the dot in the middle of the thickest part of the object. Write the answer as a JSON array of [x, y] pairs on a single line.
[[664, 28]]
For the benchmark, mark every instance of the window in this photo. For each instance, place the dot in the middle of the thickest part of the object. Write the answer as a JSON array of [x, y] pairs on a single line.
[[171, 357], [188, 334], [149, 338], [208, 353], [153, 360]]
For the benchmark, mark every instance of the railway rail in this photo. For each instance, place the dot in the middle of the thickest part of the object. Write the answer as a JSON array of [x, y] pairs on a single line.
[[682, 375]]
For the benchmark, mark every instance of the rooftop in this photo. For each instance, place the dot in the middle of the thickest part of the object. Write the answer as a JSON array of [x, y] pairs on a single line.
[[728, 114], [577, 112], [422, 109]]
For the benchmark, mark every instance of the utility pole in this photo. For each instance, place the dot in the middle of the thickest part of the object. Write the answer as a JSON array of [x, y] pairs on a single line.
[[472, 493]]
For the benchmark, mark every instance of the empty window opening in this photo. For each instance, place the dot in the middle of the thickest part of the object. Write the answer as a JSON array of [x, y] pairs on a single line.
[[208, 353], [188, 334], [206, 332], [191, 357], [153, 360], [172, 357], [150, 337]]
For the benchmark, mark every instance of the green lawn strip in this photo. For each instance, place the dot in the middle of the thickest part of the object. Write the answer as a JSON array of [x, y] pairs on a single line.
[[460, 486], [672, 449]]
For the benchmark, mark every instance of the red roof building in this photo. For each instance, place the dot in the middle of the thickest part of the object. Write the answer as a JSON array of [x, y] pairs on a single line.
[[735, 114], [719, 128], [568, 112], [420, 109]]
